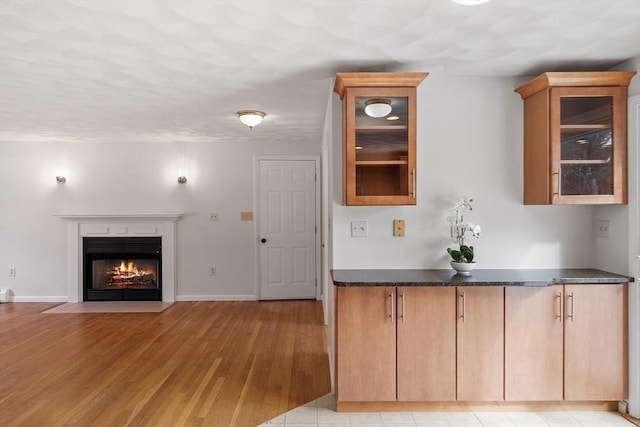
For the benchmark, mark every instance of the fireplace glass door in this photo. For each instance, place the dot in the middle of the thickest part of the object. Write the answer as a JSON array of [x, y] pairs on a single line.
[[123, 268]]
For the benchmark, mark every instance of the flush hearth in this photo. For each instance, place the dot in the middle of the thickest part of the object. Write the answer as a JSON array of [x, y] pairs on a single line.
[[122, 268]]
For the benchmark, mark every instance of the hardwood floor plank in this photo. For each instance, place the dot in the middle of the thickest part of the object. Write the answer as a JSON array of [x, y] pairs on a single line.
[[194, 364]]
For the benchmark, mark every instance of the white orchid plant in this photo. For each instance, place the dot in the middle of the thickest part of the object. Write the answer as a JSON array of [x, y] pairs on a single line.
[[461, 229]]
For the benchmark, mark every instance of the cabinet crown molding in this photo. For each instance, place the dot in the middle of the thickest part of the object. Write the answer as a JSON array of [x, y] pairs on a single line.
[[575, 79], [345, 80]]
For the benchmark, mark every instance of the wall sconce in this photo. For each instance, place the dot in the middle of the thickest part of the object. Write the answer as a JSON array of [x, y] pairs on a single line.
[[60, 178], [377, 108], [250, 118]]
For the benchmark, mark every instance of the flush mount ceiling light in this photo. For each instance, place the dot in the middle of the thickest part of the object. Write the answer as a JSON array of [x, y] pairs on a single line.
[[378, 107], [470, 2], [250, 118]]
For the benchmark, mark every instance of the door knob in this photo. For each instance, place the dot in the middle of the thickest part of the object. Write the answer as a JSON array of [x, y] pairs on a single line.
[[263, 240]]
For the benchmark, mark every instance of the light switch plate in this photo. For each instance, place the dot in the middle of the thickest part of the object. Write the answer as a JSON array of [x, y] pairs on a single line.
[[359, 229], [398, 227]]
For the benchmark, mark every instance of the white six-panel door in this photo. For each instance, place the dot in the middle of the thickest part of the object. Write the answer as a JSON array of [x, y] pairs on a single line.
[[287, 229]]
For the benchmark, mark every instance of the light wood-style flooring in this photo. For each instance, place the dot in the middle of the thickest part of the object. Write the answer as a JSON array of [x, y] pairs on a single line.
[[194, 364]]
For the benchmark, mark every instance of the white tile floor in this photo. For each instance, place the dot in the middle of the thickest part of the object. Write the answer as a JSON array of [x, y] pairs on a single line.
[[321, 413]]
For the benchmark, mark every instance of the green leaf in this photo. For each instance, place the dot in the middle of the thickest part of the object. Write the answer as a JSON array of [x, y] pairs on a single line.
[[466, 253], [455, 254]]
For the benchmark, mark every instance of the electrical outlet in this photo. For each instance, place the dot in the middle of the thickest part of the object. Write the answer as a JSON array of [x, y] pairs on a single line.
[[602, 228], [12, 272], [212, 271], [213, 216]]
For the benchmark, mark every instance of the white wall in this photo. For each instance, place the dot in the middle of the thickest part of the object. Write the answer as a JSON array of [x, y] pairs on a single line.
[[612, 253], [132, 178], [469, 143]]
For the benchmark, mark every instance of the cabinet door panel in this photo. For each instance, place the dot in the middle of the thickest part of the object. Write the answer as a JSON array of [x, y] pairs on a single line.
[[480, 352], [595, 342], [365, 344], [533, 343], [426, 344]]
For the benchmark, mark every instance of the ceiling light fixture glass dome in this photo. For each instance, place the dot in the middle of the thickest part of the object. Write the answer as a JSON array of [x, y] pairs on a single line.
[[378, 107], [250, 118]]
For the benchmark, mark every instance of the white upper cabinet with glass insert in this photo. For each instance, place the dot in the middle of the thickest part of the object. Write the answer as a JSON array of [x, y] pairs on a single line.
[[379, 137], [575, 138]]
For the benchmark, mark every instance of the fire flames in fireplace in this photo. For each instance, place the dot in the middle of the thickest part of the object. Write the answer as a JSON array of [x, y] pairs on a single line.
[[127, 275]]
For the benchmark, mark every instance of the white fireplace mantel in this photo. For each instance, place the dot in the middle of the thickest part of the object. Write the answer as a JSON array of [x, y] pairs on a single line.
[[121, 225], [120, 216]]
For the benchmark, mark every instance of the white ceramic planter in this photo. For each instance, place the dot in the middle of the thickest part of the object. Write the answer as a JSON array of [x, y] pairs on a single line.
[[463, 268]]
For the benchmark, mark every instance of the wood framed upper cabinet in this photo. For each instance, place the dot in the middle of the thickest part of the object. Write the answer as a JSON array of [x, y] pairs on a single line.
[[533, 341], [365, 344], [575, 138], [480, 329], [426, 343], [379, 137], [595, 342]]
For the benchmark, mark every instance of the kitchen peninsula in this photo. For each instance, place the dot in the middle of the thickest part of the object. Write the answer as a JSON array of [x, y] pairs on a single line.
[[421, 339]]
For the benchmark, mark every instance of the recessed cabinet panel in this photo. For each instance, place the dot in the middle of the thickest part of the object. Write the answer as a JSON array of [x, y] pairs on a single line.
[[575, 142], [379, 137]]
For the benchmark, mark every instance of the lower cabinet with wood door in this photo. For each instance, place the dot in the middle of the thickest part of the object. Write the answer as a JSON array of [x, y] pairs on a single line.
[[365, 344], [426, 344], [566, 343], [395, 344], [411, 344], [595, 342], [480, 343], [533, 340]]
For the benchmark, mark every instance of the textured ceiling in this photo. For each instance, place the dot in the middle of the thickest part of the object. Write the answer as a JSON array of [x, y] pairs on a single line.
[[169, 70]]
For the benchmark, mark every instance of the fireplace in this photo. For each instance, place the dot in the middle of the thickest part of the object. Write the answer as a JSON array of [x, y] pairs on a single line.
[[116, 226], [122, 268]]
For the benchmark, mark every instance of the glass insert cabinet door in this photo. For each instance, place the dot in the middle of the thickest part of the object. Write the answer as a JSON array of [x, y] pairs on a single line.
[[588, 144], [381, 148]]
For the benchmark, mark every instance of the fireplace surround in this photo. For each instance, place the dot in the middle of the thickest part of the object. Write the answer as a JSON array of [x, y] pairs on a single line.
[[119, 225]]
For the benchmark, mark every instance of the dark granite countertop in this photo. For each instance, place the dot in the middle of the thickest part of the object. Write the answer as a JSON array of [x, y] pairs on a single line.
[[479, 277]]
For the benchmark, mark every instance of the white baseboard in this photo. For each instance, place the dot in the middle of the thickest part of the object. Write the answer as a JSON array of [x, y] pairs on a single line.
[[39, 299], [216, 298]]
